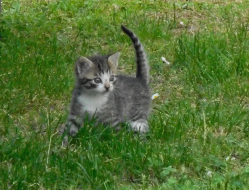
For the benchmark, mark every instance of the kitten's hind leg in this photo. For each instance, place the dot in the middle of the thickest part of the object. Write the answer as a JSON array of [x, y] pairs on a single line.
[[140, 126], [73, 125]]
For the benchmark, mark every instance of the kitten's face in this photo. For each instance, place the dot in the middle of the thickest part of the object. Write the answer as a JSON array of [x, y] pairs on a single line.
[[100, 82], [97, 74]]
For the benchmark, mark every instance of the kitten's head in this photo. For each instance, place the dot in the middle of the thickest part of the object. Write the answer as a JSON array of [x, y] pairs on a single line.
[[97, 74]]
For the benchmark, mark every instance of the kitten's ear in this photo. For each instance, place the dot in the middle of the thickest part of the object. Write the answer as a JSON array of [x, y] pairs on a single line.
[[113, 61], [82, 65]]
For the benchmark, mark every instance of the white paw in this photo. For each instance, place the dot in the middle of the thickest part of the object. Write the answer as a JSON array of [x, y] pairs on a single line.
[[140, 126]]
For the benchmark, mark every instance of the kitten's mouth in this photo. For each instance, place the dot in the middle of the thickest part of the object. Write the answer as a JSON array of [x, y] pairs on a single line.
[[106, 91]]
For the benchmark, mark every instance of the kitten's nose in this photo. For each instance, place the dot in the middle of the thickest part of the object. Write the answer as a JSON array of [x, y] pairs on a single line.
[[107, 86]]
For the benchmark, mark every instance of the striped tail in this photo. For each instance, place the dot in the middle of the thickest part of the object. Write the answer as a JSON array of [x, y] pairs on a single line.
[[142, 62]]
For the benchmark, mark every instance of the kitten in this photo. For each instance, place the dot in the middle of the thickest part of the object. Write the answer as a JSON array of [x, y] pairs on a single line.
[[110, 98]]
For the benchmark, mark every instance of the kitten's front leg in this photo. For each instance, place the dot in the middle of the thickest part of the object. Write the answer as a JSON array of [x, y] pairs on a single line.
[[73, 125]]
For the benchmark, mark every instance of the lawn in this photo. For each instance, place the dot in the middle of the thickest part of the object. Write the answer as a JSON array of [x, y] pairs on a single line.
[[199, 124]]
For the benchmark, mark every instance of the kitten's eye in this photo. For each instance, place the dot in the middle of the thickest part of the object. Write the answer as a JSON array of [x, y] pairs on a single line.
[[111, 78], [97, 80]]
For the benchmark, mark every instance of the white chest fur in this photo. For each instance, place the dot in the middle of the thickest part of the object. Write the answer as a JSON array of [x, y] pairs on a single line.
[[92, 104]]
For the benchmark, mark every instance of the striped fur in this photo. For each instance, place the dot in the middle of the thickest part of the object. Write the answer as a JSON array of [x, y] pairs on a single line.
[[110, 98]]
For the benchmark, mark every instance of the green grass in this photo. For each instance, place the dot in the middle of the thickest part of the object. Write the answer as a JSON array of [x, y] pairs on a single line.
[[199, 124]]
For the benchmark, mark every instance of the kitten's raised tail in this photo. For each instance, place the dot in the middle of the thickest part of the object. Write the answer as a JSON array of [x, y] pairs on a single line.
[[142, 62]]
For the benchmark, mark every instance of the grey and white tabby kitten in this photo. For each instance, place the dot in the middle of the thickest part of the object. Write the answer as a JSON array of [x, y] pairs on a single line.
[[110, 98]]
